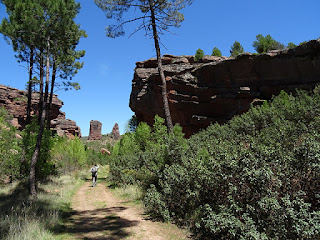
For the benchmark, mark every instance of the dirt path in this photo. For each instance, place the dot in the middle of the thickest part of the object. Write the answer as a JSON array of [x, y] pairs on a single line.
[[100, 215]]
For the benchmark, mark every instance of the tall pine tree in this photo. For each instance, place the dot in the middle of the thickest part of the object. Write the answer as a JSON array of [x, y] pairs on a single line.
[[156, 16]]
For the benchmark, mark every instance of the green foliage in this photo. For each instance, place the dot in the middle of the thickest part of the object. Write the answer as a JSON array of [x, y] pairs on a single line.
[[267, 43], [10, 149], [236, 49], [166, 14], [255, 177], [216, 52], [69, 155], [45, 166], [291, 45], [302, 43], [199, 55], [140, 157], [132, 124]]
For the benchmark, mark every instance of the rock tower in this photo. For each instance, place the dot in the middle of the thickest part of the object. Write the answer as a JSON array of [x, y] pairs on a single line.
[[95, 130], [115, 131]]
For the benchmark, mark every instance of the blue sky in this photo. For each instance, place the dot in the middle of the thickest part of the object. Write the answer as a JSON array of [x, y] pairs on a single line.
[[109, 64]]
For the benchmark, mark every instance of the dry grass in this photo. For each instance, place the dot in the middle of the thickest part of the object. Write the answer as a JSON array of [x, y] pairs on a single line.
[[23, 218]]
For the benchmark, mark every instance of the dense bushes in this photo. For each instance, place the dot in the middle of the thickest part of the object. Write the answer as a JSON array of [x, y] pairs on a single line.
[[10, 150], [69, 155], [256, 177], [58, 154]]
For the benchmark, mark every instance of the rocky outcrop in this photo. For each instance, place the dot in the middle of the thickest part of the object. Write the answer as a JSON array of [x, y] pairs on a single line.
[[105, 151], [115, 132], [16, 101], [95, 130], [65, 127], [217, 88]]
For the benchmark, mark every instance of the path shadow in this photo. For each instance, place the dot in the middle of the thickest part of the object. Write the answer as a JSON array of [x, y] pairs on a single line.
[[95, 222]]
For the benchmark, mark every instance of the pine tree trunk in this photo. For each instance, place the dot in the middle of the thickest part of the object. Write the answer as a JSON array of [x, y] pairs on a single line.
[[30, 88], [36, 153], [53, 79], [160, 69], [41, 85]]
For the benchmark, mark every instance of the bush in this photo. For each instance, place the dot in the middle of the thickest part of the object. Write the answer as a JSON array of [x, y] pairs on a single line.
[[68, 155], [255, 177], [10, 148]]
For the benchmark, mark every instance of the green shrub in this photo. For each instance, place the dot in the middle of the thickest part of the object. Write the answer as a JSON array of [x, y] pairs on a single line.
[[10, 148], [199, 55], [256, 177], [216, 52], [45, 166], [68, 154]]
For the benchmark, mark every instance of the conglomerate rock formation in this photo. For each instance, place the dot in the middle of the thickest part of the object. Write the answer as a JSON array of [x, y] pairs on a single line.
[[16, 101], [217, 88]]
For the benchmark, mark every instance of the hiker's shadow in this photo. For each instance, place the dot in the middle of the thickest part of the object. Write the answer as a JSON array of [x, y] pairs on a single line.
[[103, 220]]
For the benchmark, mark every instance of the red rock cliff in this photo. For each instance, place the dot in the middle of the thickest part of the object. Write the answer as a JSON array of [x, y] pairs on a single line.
[[15, 101], [218, 88]]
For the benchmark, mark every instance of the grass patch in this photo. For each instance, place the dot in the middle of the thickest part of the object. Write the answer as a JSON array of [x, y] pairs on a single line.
[[23, 218], [130, 193], [101, 204]]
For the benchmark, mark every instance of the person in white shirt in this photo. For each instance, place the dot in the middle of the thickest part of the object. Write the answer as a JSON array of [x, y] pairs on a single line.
[[94, 172]]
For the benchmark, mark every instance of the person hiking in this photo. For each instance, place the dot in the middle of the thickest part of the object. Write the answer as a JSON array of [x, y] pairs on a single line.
[[94, 172]]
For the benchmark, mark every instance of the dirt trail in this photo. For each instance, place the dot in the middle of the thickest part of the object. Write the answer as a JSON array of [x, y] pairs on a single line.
[[100, 215]]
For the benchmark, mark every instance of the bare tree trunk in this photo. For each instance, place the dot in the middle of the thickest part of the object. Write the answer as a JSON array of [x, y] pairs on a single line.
[[41, 85], [160, 69], [30, 88], [53, 79], [36, 153]]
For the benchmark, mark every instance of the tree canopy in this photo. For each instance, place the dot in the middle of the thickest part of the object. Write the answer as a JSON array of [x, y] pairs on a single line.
[[265, 44], [43, 31], [236, 49], [216, 52], [199, 55]]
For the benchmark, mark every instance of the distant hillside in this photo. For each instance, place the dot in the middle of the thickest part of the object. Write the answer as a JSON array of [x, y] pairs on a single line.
[[106, 142]]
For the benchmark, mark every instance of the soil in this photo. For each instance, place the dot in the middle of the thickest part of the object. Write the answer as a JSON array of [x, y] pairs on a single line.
[[98, 214]]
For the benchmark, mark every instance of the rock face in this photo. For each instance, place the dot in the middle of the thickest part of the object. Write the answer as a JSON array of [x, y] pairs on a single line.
[[95, 130], [115, 131], [218, 88], [65, 127], [16, 101]]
